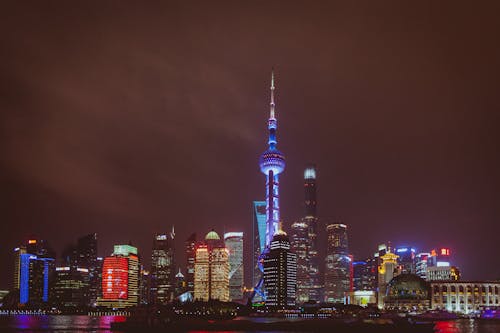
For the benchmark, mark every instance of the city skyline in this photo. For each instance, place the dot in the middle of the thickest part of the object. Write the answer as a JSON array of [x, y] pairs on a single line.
[[125, 132]]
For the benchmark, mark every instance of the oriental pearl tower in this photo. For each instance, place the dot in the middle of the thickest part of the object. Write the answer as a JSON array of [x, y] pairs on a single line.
[[272, 163]]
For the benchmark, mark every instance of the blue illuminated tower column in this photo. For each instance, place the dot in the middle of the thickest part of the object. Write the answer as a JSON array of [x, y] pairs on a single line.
[[272, 163]]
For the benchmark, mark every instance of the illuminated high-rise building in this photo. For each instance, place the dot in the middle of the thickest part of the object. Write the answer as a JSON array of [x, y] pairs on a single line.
[[365, 275], [70, 288], [34, 270], [234, 244], [162, 269], [272, 163], [280, 273], [86, 251], [120, 278], [190, 246], [299, 242], [259, 238], [421, 264], [407, 259], [304, 243], [338, 265], [388, 269], [211, 269]]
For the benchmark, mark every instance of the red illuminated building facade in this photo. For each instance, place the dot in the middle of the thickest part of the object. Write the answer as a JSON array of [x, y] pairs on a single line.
[[120, 278]]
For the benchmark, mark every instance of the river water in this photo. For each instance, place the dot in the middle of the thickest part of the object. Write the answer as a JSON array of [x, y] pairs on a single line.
[[85, 324]]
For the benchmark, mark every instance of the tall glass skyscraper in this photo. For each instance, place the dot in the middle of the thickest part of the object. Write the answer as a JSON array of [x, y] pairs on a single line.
[[234, 244], [259, 237], [162, 269], [272, 163], [338, 265], [86, 249], [190, 245]]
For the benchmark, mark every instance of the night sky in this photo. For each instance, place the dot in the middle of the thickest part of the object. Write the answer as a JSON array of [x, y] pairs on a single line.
[[126, 119]]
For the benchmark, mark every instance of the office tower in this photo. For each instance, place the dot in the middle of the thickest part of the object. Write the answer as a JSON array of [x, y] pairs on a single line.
[[162, 269], [338, 264], [70, 288], [234, 244], [120, 278], [180, 284], [190, 245], [86, 249], [406, 259], [272, 163], [18, 251], [387, 270], [280, 273], [259, 238], [211, 269], [365, 275], [439, 257], [144, 286], [421, 264], [300, 246], [36, 267]]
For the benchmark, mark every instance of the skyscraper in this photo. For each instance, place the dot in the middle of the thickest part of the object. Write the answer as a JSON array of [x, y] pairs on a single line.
[[190, 245], [338, 264], [304, 243], [86, 249], [387, 270], [406, 259], [259, 237], [120, 278], [280, 273], [162, 269], [272, 163], [211, 269], [234, 245]]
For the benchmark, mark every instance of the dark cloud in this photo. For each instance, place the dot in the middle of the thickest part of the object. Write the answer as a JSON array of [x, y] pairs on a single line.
[[128, 118]]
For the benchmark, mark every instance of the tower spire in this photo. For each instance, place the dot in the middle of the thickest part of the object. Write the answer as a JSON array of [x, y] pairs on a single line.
[[271, 113]]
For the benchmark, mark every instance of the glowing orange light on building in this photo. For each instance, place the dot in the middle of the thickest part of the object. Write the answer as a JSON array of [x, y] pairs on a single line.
[[115, 278], [32, 241], [445, 252]]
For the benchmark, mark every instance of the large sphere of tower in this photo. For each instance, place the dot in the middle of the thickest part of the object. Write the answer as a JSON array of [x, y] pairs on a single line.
[[272, 160]]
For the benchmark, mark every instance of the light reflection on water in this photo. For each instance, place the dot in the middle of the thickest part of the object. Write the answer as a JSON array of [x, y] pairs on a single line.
[[80, 324]]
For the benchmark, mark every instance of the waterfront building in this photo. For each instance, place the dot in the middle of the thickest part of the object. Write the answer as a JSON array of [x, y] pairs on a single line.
[[421, 264], [406, 259], [300, 246], [443, 273], [162, 269], [388, 269], [365, 275], [465, 297], [34, 270], [86, 251], [272, 163], [211, 269], [234, 244], [338, 265], [259, 240], [190, 246], [280, 273], [120, 278], [71, 287], [407, 292]]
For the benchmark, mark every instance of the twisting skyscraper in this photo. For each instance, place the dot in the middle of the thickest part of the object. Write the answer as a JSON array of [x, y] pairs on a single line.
[[272, 163]]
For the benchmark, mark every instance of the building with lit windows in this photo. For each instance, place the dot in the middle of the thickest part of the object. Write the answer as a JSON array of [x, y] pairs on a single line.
[[70, 288], [365, 274], [465, 297], [443, 273], [190, 246], [406, 259], [272, 164], [338, 265], [388, 269], [299, 242], [234, 244], [120, 278], [421, 264], [86, 251], [280, 273], [211, 269], [34, 266], [259, 239], [162, 269]]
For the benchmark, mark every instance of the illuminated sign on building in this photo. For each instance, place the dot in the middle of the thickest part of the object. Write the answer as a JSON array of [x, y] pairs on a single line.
[[124, 250], [115, 278]]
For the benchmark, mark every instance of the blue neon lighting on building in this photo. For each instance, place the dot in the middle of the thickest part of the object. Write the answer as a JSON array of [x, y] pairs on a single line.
[[260, 214], [45, 296], [24, 278]]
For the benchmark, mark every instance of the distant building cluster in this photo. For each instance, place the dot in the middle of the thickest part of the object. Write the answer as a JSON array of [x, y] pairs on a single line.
[[288, 269]]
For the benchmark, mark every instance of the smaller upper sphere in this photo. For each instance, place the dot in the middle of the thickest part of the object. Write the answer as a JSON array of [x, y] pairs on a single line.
[[272, 160]]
